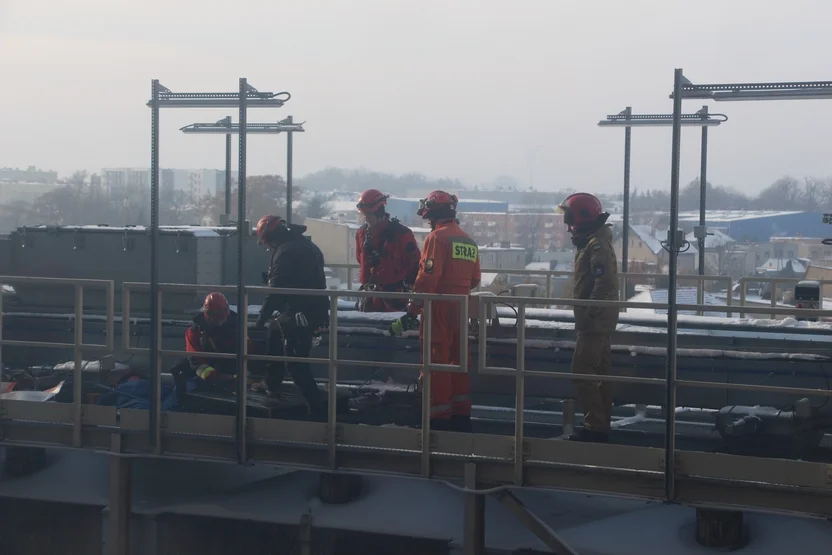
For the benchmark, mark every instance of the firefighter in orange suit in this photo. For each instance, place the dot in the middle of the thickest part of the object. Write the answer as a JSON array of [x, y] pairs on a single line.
[[596, 278], [450, 264], [387, 253]]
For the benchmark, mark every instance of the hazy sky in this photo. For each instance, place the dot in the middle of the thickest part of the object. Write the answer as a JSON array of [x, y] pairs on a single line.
[[462, 88]]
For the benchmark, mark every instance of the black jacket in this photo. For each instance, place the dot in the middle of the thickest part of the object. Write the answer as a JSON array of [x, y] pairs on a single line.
[[297, 264]]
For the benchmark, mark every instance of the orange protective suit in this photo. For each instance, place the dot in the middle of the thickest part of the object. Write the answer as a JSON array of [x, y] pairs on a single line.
[[450, 264]]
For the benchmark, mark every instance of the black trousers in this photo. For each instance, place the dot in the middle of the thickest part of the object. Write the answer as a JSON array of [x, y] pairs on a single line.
[[292, 341]]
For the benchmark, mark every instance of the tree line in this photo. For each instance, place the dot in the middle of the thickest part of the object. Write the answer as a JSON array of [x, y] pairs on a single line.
[[82, 199], [787, 193]]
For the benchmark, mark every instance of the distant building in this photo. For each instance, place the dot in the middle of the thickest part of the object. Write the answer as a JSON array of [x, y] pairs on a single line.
[[540, 231], [759, 226], [503, 257], [405, 208], [645, 247], [30, 175], [195, 183], [337, 242]]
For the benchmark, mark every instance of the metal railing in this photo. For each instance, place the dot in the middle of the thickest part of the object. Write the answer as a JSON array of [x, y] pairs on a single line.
[[77, 346], [550, 275], [774, 281], [706, 478]]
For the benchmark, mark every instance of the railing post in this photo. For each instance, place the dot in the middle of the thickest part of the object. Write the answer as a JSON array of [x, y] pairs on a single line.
[[482, 340], [473, 542], [125, 317], [774, 282], [241, 428], [1, 344], [332, 390], [111, 317], [78, 370], [426, 372], [549, 285], [730, 297], [156, 377], [743, 284], [520, 390], [119, 496]]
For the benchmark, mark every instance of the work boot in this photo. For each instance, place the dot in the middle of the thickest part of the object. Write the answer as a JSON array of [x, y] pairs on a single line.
[[461, 423], [590, 436]]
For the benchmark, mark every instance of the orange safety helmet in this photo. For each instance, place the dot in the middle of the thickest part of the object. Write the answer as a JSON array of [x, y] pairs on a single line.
[[434, 202], [267, 228], [580, 210], [215, 308], [371, 201]]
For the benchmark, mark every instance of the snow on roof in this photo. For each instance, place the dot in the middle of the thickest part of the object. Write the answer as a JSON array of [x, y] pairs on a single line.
[[335, 206], [728, 216], [501, 249], [195, 230], [715, 239], [777, 264], [646, 234], [650, 237], [539, 266], [684, 295]]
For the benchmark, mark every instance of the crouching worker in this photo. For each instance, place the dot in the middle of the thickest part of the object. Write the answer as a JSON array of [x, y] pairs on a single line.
[[213, 330], [297, 263]]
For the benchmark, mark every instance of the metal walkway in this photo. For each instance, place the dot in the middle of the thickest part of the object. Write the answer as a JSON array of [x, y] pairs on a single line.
[[477, 463]]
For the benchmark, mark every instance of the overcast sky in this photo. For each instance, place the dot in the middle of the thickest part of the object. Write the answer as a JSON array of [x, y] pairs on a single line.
[[462, 88]]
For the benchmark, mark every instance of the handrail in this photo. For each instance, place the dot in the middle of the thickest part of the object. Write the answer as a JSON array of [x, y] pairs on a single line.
[[529, 461], [78, 346], [624, 278], [744, 281]]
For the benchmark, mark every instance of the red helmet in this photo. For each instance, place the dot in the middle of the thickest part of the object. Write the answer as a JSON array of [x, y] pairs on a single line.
[[435, 201], [267, 226], [215, 308], [580, 209], [371, 201]]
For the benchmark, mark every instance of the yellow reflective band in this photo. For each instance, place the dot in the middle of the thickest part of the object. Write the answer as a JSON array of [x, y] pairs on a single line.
[[464, 251]]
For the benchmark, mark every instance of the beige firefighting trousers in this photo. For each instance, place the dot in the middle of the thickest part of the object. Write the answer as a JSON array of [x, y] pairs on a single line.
[[593, 356]]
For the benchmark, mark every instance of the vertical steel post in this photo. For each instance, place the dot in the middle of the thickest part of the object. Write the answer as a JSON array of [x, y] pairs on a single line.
[[332, 389], [289, 146], [78, 368], [1, 341], [673, 246], [155, 371], [703, 186], [242, 234], [427, 332], [473, 542], [520, 394], [228, 167], [625, 232], [119, 499]]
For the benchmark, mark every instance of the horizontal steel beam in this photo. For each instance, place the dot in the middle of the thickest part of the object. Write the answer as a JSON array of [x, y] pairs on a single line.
[[704, 478]]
